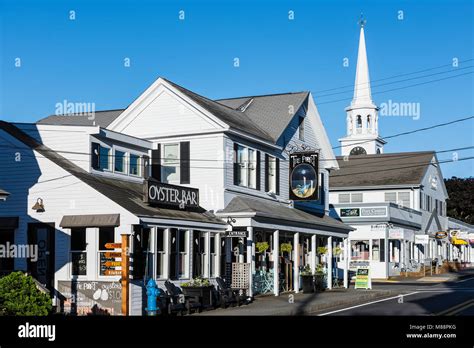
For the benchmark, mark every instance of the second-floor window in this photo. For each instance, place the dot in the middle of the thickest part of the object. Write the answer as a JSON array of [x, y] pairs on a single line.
[[120, 158], [351, 197], [400, 198], [272, 168], [246, 167], [170, 166], [301, 129]]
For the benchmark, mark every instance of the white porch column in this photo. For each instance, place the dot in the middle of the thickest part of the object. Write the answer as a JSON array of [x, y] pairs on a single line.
[[218, 254], [346, 263], [207, 261], [276, 271], [313, 253], [296, 263], [250, 258], [189, 240], [166, 258], [386, 252], [451, 258], [330, 263]]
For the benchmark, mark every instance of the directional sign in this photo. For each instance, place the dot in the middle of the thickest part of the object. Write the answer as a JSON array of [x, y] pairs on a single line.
[[113, 245], [111, 254], [113, 264], [111, 272]]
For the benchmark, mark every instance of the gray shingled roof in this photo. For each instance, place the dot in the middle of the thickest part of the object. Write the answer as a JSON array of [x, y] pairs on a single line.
[[270, 112], [125, 193], [280, 211], [235, 119], [404, 168], [101, 118]]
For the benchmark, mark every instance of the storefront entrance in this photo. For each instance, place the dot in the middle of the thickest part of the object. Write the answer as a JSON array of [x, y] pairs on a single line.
[[42, 235]]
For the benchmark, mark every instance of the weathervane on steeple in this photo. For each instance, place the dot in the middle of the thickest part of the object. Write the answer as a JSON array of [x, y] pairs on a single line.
[[362, 21]]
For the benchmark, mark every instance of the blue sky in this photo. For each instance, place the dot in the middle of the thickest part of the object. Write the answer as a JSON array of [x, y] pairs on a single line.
[[82, 60]]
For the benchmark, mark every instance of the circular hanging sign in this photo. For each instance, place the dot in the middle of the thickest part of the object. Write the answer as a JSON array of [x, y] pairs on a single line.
[[303, 181]]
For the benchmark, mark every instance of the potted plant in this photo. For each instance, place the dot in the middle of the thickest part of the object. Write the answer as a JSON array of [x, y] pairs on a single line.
[[262, 247], [319, 278], [200, 287], [321, 252], [337, 251], [307, 279], [286, 247]]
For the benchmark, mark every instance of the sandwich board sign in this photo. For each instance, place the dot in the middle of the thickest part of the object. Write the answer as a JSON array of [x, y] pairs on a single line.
[[363, 280]]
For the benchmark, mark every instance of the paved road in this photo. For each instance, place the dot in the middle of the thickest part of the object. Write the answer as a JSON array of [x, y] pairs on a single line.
[[450, 298]]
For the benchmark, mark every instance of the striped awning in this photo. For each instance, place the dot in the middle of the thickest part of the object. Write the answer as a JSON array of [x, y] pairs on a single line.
[[96, 220]]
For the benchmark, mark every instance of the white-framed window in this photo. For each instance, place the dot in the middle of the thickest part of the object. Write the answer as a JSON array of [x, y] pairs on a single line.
[[134, 165], [272, 174], [356, 197], [213, 246], [344, 198], [120, 161], [105, 235], [160, 253], [105, 158], [246, 167], [170, 168], [400, 198], [179, 253], [78, 252], [351, 197]]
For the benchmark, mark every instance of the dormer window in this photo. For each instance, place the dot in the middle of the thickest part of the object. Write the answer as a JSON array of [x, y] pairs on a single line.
[[120, 157], [134, 165]]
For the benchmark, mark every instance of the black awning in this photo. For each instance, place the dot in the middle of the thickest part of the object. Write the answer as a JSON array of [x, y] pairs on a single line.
[[95, 220], [7, 223]]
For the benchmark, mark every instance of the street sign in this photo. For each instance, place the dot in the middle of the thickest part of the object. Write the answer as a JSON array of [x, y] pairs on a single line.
[[242, 234], [113, 245], [112, 254], [112, 272], [363, 278], [421, 238], [113, 264]]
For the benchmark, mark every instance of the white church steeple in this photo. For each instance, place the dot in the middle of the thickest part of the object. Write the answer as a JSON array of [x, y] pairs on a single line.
[[362, 114]]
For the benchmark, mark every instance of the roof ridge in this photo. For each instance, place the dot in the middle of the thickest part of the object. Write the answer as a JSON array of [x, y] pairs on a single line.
[[262, 95]]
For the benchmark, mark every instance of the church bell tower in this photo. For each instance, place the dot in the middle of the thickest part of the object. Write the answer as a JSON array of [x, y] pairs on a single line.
[[362, 114]]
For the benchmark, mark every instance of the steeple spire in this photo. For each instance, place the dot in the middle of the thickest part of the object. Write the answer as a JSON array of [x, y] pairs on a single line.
[[362, 95]]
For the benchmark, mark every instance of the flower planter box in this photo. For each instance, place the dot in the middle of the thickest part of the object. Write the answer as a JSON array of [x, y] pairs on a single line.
[[308, 284], [205, 294], [319, 283]]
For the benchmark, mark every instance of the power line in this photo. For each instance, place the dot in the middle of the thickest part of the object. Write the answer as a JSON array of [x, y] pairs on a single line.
[[393, 82], [399, 88], [395, 76], [411, 132]]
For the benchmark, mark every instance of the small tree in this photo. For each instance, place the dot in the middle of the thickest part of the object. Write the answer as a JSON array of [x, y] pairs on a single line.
[[20, 296]]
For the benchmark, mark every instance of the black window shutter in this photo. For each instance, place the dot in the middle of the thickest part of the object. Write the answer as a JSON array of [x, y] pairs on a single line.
[[267, 185], [258, 171], [146, 166], [156, 163], [277, 176], [236, 167], [184, 162], [95, 154], [322, 193]]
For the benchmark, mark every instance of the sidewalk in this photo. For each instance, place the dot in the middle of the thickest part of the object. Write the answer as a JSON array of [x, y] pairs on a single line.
[[301, 304], [435, 278]]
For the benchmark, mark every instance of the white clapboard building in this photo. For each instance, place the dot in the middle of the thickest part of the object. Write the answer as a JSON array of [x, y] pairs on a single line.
[[395, 201], [197, 184]]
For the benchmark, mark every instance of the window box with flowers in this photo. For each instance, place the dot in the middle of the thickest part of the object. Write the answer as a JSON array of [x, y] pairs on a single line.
[[202, 288]]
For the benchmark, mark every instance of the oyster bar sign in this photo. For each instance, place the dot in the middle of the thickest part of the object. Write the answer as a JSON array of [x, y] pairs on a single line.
[[157, 193]]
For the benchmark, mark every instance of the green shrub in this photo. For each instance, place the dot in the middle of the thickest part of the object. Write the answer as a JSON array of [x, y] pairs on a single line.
[[20, 296]]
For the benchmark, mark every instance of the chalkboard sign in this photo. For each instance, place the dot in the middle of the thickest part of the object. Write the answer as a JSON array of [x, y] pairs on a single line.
[[90, 297], [79, 263], [362, 278]]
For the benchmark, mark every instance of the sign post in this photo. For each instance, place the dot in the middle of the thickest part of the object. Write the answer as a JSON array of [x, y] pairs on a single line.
[[363, 280], [125, 274]]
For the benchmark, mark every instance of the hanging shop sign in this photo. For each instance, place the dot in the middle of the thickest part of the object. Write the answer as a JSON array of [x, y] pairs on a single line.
[[396, 233], [421, 238], [304, 176], [363, 278], [471, 238], [236, 234], [363, 212], [157, 193], [441, 235]]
